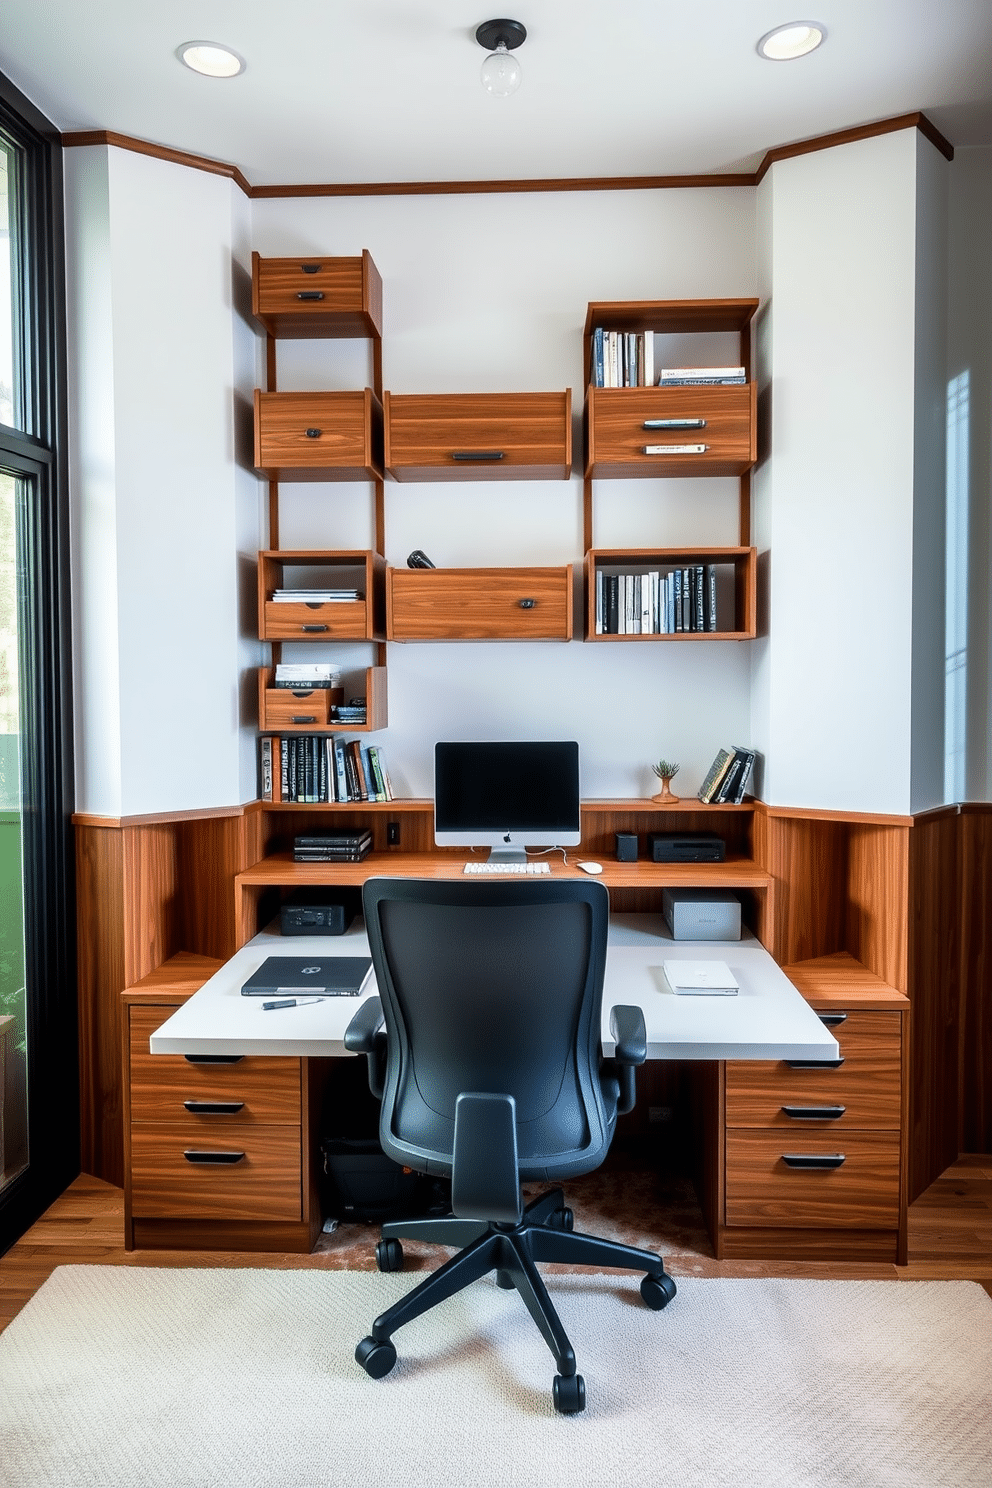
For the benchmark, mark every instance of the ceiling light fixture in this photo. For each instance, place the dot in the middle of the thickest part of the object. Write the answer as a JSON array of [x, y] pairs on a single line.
[[210, 59], [501, 74], [796, 39]]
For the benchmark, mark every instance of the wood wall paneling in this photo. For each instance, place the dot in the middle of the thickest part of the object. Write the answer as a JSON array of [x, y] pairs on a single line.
[[876, 931], [100, 965], [975, 1027]]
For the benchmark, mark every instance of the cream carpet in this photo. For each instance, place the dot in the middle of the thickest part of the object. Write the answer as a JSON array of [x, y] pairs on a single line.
[[127, 1377]]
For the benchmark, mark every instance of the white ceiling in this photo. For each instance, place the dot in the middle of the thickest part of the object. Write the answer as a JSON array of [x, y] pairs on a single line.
[[389, 90]]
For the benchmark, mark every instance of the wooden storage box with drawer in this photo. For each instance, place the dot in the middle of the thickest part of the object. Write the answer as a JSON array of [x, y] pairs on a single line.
[[720, 439], [312, 620], [468, 604], [317, 297], [219, 1152], [318, 436], [478, 436]]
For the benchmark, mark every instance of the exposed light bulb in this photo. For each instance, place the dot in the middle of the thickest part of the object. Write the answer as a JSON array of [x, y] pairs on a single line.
[[501, 72], [210, 60], [796, 39]]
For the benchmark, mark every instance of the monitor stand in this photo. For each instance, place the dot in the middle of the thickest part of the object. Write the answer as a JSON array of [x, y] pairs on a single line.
[[507, 855]]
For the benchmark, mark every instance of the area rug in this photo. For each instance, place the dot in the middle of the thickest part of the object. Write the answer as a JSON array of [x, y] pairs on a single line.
[[128, 1377]]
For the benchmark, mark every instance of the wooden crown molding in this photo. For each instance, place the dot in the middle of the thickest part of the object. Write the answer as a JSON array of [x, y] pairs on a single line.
[[465, 188]]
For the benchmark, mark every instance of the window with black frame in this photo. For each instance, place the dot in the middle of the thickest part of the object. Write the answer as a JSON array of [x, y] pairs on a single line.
[[39, 1117]]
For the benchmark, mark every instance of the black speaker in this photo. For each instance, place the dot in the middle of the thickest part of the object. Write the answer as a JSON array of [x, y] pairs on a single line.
[[626, 847]]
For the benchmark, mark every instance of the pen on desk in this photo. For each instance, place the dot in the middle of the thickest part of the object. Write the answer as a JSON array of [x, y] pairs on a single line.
[[290, 1002]]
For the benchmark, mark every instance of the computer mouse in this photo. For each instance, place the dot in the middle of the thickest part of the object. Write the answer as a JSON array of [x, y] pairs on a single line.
[[590, 867]]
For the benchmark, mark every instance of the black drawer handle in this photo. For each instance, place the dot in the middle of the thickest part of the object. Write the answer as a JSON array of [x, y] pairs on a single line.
[[815, 1064], [304, 718], [213, 1058], [311, 628], [214, 1108], [683, 423], [815, 1113], [217, 1159], [527, 604], [311, 268], [309, 294], [307, 692], [823, 1160], [313, 433], [314, 604], [477, 454], [832, 1019]]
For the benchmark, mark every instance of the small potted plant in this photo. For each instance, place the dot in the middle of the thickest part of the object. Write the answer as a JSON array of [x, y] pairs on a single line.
[[666, 772]]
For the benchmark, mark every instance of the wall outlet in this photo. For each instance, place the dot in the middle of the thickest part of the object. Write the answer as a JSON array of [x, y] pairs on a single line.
[[393, 833]]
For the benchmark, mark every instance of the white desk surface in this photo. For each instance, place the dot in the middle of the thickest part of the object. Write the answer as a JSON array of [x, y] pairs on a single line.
[[768, 1019]]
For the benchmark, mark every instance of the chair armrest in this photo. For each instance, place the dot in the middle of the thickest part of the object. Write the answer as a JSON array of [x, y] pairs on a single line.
[[365, 1035], [627, 1028]]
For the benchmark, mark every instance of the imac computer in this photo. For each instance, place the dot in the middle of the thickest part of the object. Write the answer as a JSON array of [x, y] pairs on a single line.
[[507, 796]]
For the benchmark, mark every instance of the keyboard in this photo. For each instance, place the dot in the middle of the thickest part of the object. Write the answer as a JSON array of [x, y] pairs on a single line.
[[507, 868]]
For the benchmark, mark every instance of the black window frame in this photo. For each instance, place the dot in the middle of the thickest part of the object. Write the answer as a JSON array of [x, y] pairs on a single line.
[[39, 454]]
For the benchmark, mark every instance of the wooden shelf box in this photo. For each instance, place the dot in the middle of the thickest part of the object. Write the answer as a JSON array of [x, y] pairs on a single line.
[[318, 436], [478, 436], [618, 436], [297, 298], [737, 614], [355, 620], [287, 710], [479, 604]]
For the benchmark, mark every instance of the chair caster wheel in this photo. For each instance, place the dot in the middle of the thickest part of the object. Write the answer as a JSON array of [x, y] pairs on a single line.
[[569, 1394], [389, 1255], [561, 1219], [504, 1280], [657, 1291], [375, 1358]]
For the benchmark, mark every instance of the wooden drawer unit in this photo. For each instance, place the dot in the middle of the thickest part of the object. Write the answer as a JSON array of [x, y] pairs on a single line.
[[478, 436], [864, 1091], [318, 436], [317, 297], [619, 435], [805, 1180], [202, 1095], [230, 1172], [309, 620], [479, 604], [294, 709]]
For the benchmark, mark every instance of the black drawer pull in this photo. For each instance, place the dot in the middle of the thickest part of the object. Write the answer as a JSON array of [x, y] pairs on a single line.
[[832, 1019], [213, 1058], [311, 268], [313, 433], [214, 1108], [309, 294], [815, 1064], [217, 1159], [311, 628], [527, 604], [822, 1160], [314, 604], [306, 692], [477, 454], [684, 423], [304, 718], [815, 1113]]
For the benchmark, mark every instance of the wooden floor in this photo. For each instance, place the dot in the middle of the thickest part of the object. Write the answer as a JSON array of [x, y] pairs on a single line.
[[950, 1238]]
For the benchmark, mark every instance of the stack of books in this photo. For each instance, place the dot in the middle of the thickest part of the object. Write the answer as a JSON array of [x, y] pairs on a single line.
[[727, 777], [315, 596], [656, 603], [304, 676], [354, 712], [702, 377], [333, 847], [311, 770]]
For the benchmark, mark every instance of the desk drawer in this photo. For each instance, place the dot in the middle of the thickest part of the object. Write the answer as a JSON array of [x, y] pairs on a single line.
[[263, 1089], [794, 1180], [239, 1171], [864, 1091]]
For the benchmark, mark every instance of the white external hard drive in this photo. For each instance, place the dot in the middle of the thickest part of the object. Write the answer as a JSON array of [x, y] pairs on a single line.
[[701, 978]]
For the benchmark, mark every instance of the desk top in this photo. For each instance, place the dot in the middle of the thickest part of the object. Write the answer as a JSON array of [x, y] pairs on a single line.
[[768, 1019]]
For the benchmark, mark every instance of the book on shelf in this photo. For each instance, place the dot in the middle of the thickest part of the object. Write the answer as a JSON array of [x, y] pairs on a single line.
[[728, 777], [316, 596], [622, 358], [714, 775], [265, 755], [315, 770], [701, 376], [306, 676]]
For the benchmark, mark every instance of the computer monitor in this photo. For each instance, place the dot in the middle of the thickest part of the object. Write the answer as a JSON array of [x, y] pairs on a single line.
[[507, 796]]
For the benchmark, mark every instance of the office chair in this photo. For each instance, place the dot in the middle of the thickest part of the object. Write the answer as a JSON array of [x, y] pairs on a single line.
[[490, 1072]]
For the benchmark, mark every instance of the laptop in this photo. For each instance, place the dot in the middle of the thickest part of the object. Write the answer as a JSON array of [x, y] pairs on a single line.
[[309, 976]]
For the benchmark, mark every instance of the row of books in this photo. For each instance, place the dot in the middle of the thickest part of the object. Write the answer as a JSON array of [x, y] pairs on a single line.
[[626, 359], [728, 776], [314, 770], [656, 603], [333, 847], [303, 676]]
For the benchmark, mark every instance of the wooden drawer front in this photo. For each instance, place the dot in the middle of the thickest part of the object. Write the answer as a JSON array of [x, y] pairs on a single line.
[[861, 1193], [282, 707], [308, 297], [268, 1089], [478, 436], [867, 1085], [317, 436], [617, 437], [462, 604], [263, 1183], [343, 619]]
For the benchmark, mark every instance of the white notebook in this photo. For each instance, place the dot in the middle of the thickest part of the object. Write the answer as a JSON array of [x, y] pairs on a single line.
[[706, 978]]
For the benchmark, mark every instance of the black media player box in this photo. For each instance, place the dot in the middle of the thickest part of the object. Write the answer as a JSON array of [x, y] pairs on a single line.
[[686, 847], [317, 912]]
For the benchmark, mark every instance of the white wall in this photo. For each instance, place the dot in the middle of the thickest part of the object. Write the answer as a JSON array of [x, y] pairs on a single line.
[[490, 293], [836, 515], [161, 512]]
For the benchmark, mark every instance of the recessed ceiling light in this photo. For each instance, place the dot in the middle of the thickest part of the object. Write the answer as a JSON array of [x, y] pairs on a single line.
[[210, 59], [793, 40]]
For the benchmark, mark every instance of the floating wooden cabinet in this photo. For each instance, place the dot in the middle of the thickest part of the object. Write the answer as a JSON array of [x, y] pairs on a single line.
[[627, 437], [317, 297], [312, 620], [731, 571], [311, 711], [479, 604], [318, 436], [478, 436]]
